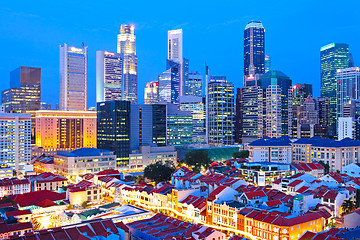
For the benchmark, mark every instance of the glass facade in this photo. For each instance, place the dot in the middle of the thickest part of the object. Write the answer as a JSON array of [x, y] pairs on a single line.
[[195, 105], [73, 78], [109, 85], [179, 130], [25, 90], [220, 112], [348, 84], [126, 46], [169, 83], [113, 129], [193, 84], [151, 93], [333, 56], [254, 48], [277, 103]]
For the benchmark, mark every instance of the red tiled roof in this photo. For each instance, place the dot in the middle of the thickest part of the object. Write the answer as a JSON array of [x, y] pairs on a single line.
[[18, 213], [108, 172], [307, 235], [331, 194], [32, 198], [217, 191], [273, 203], [295, 183], [302, 189], [46, 203], [277, 181], [255, 194]]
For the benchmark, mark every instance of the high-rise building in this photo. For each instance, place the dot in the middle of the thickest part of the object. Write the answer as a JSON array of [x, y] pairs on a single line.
[[267, 63], [15, 143], [348, 84], [249, 114], [349, 121], [193, 84], [73, 78], [126, 46], [322, 105], [151, 94], [254, 49], [220, 110], [25, 90], [65, 130], [195, 105], [113, 129], [333, 56], [123, 127], [169, 83], [45, 106], [152, 124], [179, 126], [300, 92], [277, 97], [109, 85], [175, 53]]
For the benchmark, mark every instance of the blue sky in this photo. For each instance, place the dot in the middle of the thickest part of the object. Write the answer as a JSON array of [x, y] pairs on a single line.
[[31, 32]]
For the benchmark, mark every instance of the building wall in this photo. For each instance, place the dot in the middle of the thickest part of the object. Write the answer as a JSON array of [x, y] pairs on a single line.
[[65, 130]]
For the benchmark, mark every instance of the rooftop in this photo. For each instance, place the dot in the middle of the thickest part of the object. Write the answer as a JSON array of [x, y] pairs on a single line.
[[85, 152]]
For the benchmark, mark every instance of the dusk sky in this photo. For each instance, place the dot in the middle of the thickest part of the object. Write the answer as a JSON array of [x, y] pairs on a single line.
[[31, 32]]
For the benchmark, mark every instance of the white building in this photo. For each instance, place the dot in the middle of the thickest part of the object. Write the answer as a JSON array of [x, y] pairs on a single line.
[[271, 150], [175, 52], [345, 127], [146, 155], [126, 46], [15, 143], [352, 170], [73, 78], [109, 85], [82, 161]]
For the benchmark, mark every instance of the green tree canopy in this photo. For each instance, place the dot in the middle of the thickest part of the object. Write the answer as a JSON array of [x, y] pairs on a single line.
[[85, 204], [8, 200], [326, 166], [241, 154], [159, 171], [197, 159]]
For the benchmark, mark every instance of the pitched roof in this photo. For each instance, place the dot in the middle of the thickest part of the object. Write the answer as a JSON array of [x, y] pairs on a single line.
[[33, 198], [295, 183], [271, 142]]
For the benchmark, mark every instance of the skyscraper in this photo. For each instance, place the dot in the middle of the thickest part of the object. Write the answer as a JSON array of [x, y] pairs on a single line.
[[109, 84], [73, 78], [348, 84], [300, 92], [15, 148], [175, 53], [169, 83], [322, 105], [254, 49], [276, 88], [267, 63], [25, 90], [220, 111], [195, 105], [193, 84], [179, 126], [151, 94], [249, 114], [333, 56], [126, 46]]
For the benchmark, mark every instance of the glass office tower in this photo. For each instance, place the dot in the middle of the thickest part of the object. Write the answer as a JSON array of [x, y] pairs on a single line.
[[73, 78], [126, 46], [193, 84], [169, 83], [25, 90], [109, 85], [254, 48], [151, 93], [333, 56]]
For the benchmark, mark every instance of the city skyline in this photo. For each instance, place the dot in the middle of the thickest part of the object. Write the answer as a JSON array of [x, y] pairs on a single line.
[[287, 54]]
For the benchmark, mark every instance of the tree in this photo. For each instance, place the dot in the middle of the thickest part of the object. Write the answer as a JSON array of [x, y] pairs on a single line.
[[241, 154], [69, 207], [197, 159], [347, 206], [326, 166], [85, 204], [159, 171], [8, 200], [36, 224]]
